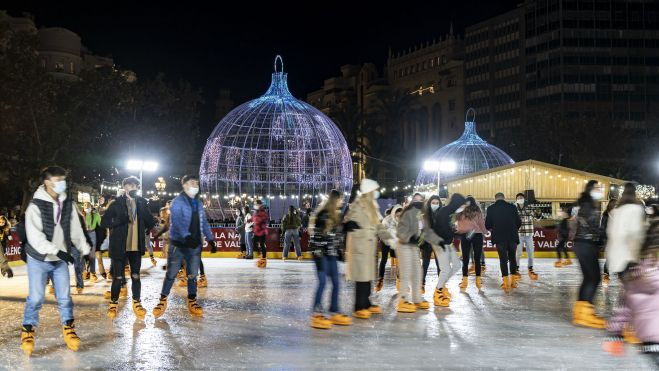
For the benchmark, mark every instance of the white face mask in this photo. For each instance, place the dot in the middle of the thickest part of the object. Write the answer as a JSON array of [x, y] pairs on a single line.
[[596, 195], [88, 210], [434, 207], [459, 210], [376, 194], [520, 201], [59, 187], [192, 191], [649, 210]]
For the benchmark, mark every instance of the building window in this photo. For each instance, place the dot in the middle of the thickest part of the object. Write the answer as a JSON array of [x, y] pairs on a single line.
[[59, 66], [451, 105]]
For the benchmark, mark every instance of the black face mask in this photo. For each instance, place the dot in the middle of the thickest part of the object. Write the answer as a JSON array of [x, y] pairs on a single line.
[[133, 193]]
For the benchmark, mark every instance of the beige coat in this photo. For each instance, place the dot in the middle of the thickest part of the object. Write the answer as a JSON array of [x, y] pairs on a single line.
[[361, 245]]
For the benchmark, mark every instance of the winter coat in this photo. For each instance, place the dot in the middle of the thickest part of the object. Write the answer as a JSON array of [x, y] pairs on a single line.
[[181, 217], [564, 230], [240, 228], [361, 244], [290, 222], [391, 224], [413, 225], [588, 221], [4, 237], [504, 222], [626, 233], [116, 219], [260, 220], [249, 224], [323, 242], [36, 238]]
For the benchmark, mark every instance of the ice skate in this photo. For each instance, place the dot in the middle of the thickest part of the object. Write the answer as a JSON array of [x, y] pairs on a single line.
[[194, 308], [464, 283], [363, 314], [532, 275], [320, 322], [160, 308], [139, 310], [405, 307], [70, 337], [202, 282], [27, 340], [112, 310], [341, 320]]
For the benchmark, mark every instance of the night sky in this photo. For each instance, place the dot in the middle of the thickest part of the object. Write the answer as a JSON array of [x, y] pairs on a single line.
[[220, 46]]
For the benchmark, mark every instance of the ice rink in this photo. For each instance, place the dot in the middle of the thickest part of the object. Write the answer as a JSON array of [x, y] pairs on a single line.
[[259, 319]]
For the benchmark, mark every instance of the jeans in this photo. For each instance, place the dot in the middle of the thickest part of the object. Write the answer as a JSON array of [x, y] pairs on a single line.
[[449, 263], [249, 242], [295, 235], [469, 246], [525, 241], [38, 273], [386, 251], [91, 263], [134, 259], [326, 266], [410, 273], [175, 258], [426, 252], [78, 267], [506, 252], [588, 255]]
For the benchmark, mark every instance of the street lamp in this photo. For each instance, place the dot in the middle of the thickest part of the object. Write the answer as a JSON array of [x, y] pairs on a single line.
[[141, 166], [439, 166]]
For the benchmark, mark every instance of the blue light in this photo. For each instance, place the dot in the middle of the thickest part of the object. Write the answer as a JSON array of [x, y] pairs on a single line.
[[469, 152], [276, 144]]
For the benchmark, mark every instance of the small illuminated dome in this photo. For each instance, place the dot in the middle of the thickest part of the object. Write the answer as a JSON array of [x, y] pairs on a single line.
[[276, 145], [470, 154]]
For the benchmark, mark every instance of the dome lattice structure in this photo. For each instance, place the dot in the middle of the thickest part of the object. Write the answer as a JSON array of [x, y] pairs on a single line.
[[470, 153], [276, 145]]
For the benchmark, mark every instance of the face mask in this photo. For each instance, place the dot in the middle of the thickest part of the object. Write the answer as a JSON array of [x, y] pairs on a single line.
[[376, 194], [168, 212], [520, 201], [596, 195], [132, 193], [649, 210], [59, 187], [434, 207], [459, 210], [88, 210], [192, 191]]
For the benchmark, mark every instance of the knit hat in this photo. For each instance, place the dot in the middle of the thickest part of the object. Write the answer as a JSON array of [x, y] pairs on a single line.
[[368, 185]]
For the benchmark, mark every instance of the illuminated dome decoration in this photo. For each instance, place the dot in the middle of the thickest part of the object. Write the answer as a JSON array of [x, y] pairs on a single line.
[[275, 146], [470, 154]]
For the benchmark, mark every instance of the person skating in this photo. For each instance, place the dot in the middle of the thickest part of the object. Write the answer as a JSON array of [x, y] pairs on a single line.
[[504, 222], [471, 227], [163, 234], [325, 235], [240, 229], [92, 223], [52, 228], [188, 227], [563, 238], [249, 233], [129, 220], [5, 237], [363, 227], [260, 221], [413, 229], [525, 236], [604, 221], [391, 223], [290, 225], [586, 247]]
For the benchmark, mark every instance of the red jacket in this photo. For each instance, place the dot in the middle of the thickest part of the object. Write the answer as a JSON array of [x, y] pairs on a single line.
[[260, 220]]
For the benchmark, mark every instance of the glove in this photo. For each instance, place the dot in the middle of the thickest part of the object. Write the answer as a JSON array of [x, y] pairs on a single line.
[[213, 246], [350, 226], [7, 272], [65, 257]]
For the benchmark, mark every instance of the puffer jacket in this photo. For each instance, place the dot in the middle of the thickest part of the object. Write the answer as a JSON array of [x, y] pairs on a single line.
[[588, 222], [260, 222], [413, 225]]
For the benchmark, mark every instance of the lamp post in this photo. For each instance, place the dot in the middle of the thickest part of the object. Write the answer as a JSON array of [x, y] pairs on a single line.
[[141, 166], [439, 166]]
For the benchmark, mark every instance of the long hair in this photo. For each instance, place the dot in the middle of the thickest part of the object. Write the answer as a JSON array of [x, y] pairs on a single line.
[[7, 226], [628, 195], [367, 202], [329, 205], [585, 196], [472, 210], [427, 209], [611, 205]]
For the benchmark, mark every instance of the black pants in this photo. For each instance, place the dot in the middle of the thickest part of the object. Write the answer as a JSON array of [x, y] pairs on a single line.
[[386, 251], [561, 248], [587, 252], [259, 242], [507, 251], [362, 295], [243, 248], [134, 259], [426, 252], [474, 244]]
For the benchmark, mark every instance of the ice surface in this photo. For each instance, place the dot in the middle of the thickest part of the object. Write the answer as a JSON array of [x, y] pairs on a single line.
[[259, 319]]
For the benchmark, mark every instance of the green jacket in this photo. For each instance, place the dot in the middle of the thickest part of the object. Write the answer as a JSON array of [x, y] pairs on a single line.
[[291, 222], [92, 220]]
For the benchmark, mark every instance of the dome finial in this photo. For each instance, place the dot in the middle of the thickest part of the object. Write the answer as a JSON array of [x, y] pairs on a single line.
[[472, 110], [281, 61]]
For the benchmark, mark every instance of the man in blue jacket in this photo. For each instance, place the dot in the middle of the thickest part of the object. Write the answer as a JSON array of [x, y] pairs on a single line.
[[188, 226]]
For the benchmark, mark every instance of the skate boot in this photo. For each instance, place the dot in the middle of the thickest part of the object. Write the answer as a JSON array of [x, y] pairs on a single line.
[[341, 320], [160, 308], [262, 263], [300, 258], [181, 273], [583, 314], [532, 275], [107, 295], [241, 255], [629, 336], [378, 285], [153, 261], [194, 308], [405, 307], [440, 299], [605, 280], [567, 262], [483, 268], [506, 284], [139, 310], [123, 292], [51, 289], [423, 304], [516, 276], [27, 339], [320, 322], [446, 292], [85, 276], [479, 285], [614, 346], [112, 310], [104, 275], [559, 264], [465, 282], [363, 314], [375, 309], [79, 290], [202, 282], [513, 279], [93, 278], [109, 276], [472, 270], [70, 337]]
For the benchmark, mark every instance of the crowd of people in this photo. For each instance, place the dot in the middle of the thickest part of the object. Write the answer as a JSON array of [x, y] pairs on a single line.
[[56, 232]]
